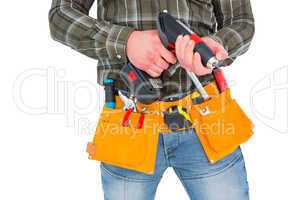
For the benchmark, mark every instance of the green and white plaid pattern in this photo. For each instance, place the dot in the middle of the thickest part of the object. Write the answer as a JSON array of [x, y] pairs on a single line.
[[229, 22]]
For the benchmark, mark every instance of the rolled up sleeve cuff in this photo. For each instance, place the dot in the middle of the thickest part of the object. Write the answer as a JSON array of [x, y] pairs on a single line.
[[116, 42]]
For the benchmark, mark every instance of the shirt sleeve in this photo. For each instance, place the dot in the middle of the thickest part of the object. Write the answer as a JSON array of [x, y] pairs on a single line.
[[71, 25], [235, 26]]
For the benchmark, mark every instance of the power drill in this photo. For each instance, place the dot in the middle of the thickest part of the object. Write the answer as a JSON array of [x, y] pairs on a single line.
[[170, 28], [145, 88]]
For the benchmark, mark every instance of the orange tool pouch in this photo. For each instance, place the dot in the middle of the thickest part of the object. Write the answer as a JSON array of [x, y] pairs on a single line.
[[221, 125], [129, 147]]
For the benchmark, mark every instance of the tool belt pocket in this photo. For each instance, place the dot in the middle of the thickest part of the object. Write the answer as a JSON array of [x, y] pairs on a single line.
[[128, 146], [221, 123]]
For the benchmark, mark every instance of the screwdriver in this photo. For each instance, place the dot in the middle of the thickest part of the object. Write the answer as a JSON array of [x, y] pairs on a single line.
[[110, 101]]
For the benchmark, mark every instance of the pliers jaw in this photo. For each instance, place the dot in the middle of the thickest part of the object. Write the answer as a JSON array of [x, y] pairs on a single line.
[[129, 103], [129, 107]]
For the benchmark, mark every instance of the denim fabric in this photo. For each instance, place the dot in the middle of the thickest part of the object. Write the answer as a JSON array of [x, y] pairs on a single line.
[[224, 180]]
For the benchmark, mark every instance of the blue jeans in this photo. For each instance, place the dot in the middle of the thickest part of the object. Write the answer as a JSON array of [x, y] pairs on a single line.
[[224, 180]]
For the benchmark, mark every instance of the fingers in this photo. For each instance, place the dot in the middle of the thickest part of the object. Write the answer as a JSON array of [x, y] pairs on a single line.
[[157, 67], [197, 63], [167, 55], [218, 50], [198, 68], [188, 55], [221, 54], [180, 47], [152, 73], [192, 61], [178, 44], [154, 70], [161, 63]]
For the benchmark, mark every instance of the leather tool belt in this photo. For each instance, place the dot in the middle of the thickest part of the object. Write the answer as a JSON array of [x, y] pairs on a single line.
[[219, 122]]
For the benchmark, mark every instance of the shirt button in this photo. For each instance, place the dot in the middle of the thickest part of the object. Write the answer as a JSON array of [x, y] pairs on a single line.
[[119, 57]]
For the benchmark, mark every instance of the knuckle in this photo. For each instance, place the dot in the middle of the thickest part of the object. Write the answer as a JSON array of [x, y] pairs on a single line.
[[153, 75], [186, 37], [165, 66], [148, 65], [169, 54], [159, 69], [158, 47], [180, 62], [189, 66], [188, 61], [179, 55], [179, 43], [197, 73], [156, 75], [184, 65], [150, 56]]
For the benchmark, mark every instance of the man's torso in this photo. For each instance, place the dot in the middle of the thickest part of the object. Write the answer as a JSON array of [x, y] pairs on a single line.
[[142, 15]]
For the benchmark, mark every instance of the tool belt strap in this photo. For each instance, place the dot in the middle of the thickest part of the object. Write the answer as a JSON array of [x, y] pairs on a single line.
[[159, 107]]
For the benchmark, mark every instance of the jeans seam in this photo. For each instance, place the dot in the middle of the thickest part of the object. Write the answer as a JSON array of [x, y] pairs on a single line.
[[125, 190], [124, 177], [227, 167], [181, 180], [165, 152]]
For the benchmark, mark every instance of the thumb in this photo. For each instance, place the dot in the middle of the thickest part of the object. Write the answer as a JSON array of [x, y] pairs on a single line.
[[221, 55]]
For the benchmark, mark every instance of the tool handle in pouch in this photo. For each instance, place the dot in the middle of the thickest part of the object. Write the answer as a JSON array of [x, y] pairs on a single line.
[[220, 80], [110, 101]]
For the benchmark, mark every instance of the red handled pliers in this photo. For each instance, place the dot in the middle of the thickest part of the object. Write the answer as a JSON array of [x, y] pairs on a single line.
[[129, 107]]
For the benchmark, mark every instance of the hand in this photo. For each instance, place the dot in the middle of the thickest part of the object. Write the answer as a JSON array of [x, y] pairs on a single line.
[[146, 52], [192, 61]]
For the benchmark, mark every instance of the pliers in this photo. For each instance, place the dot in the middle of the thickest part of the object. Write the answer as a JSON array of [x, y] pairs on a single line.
[[129, 107]]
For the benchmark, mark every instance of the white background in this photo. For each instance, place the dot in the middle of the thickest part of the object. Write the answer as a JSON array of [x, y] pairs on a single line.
[[50, 103]]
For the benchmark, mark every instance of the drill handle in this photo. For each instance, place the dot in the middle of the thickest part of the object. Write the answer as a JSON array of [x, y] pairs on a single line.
[[170, 28]]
